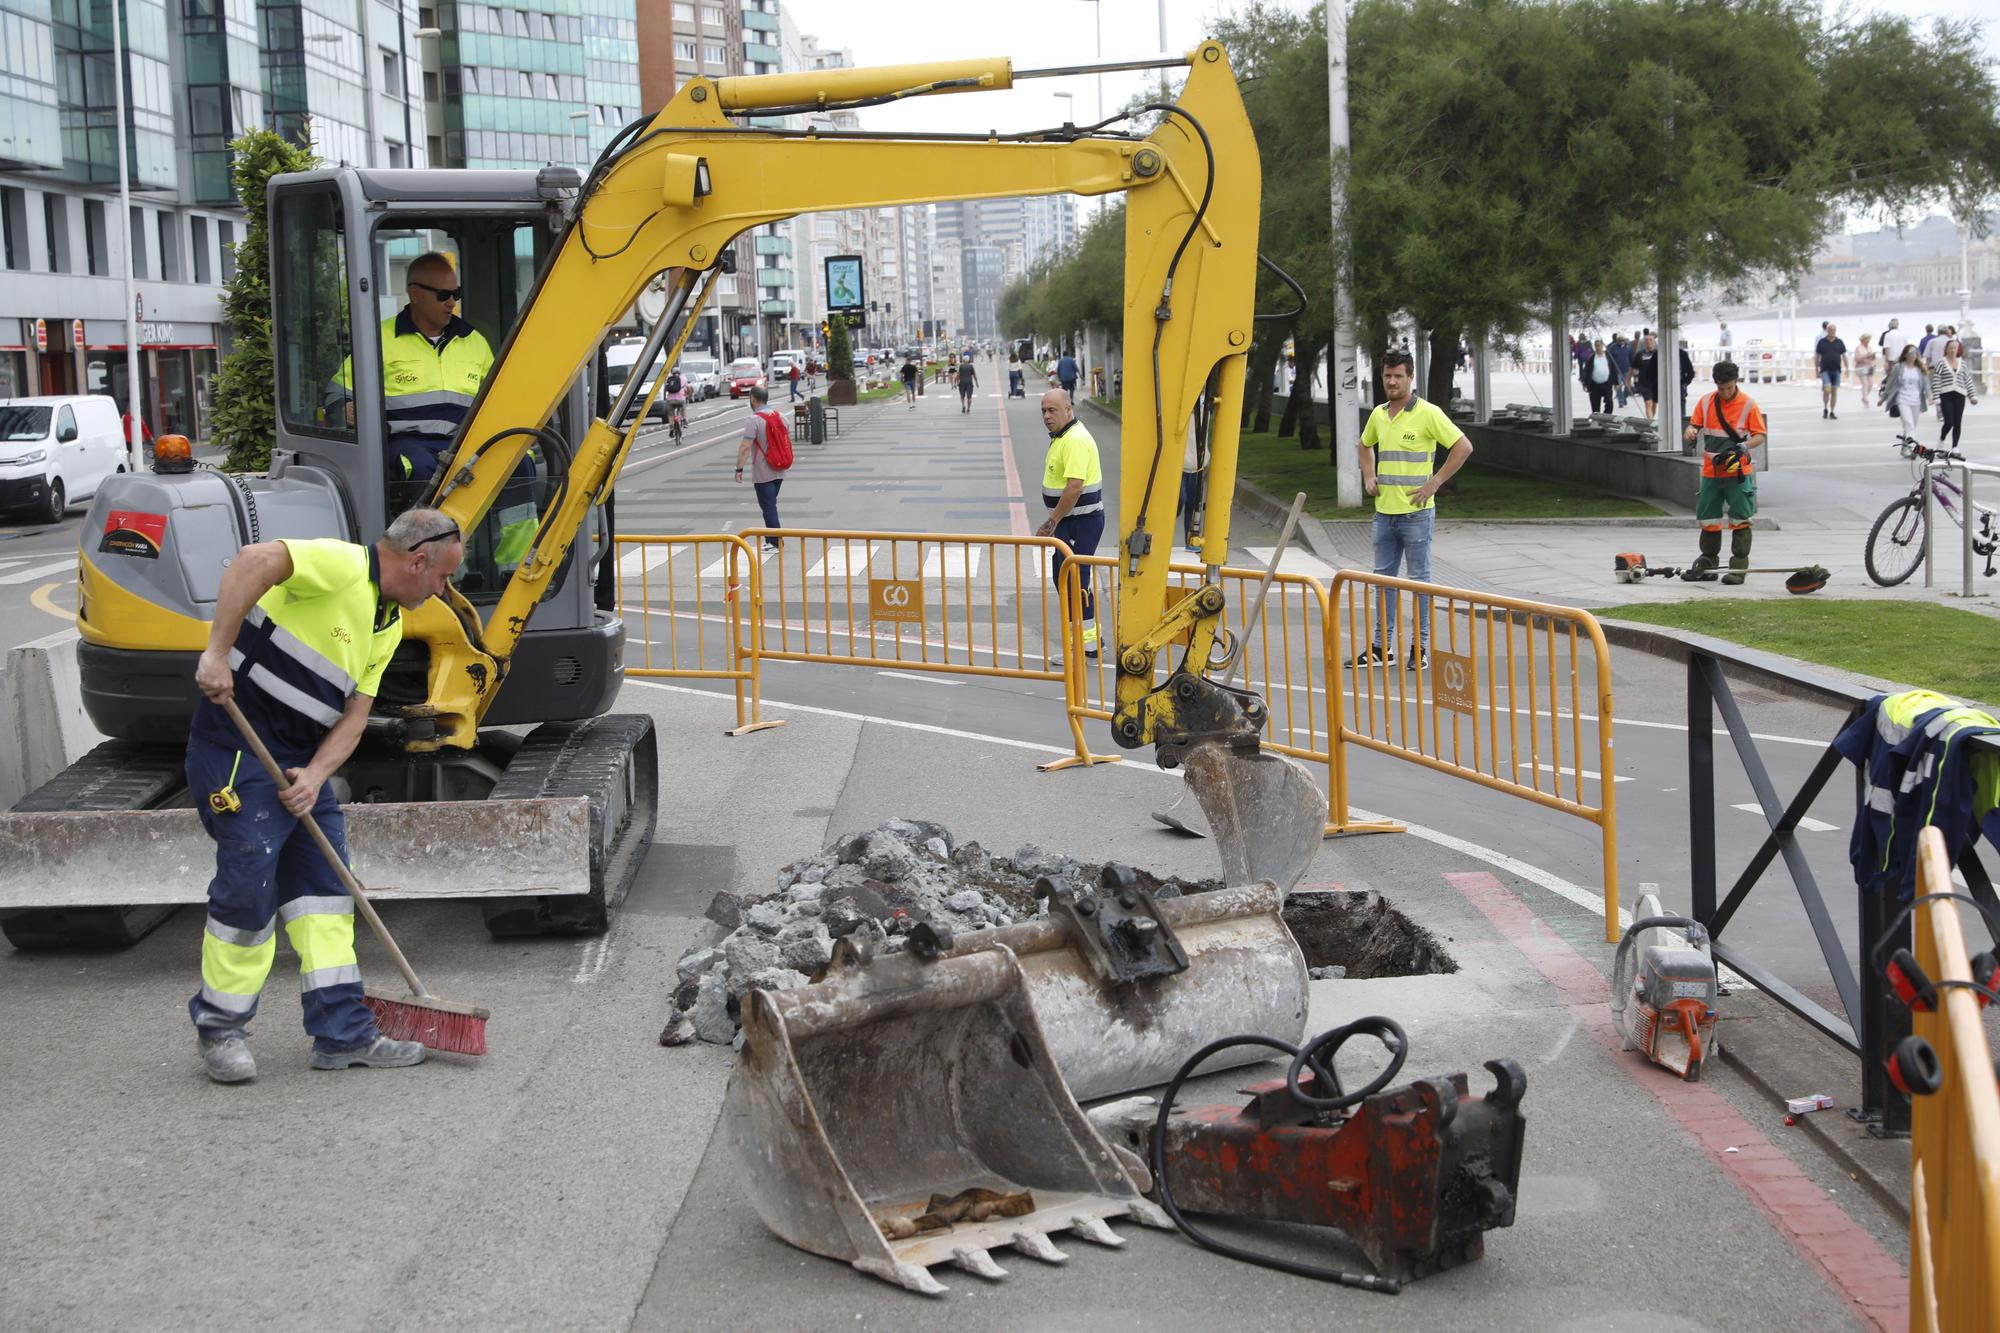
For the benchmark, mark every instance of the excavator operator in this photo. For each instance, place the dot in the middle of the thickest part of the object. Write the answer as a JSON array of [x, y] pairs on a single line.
[[433, 364]]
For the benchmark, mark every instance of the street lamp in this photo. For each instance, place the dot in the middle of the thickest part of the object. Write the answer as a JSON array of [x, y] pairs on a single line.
[[1097, 7], [135, 449]]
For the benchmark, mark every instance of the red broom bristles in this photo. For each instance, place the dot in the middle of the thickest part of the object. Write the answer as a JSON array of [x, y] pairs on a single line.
[[439, 1028]]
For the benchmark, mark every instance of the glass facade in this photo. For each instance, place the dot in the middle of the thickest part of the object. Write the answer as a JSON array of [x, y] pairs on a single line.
[[539, 81], [223, 77], [30, 129], [87, 96]]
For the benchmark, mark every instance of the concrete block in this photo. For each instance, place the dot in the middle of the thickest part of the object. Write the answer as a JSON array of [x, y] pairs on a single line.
[[42, 700]]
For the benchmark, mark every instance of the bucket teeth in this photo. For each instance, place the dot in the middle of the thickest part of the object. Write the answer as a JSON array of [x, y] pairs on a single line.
[[915, 1277], [1037, 1246], [1093, 1230], [1149, 1214], [978, 1262]]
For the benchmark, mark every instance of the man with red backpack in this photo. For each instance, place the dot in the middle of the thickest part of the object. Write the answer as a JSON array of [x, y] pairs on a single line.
[[767, 448]]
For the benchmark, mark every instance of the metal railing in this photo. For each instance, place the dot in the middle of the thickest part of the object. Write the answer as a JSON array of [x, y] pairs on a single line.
[[1955, 1131], [1970, 517], [683, 600], [1503, 701]]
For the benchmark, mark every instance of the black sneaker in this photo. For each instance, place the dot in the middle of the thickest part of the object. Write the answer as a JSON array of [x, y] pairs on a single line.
[[1375, 657], [1418, 660]]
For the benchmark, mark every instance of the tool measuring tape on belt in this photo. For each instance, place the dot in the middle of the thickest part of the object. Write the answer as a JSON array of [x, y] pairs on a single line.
[[225, 801]]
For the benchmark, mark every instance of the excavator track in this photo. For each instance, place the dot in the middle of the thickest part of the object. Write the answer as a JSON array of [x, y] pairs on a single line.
[[613, 760], [117, 775]]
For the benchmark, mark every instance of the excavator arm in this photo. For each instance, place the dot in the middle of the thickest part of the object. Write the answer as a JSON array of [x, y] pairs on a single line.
[[677, 191]]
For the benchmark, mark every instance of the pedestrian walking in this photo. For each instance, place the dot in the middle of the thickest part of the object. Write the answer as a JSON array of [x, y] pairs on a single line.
[[1646, 373], [1892, 340], [1598, 377], [1620, 352], [968, 379], [1687, 378], [1194, 458], [1398, 451], [1830, 353], [1722, 338], [1934, 353], [1924, 343], [1728, 424], [303, 630], [1066, 374], [1867, 367], [1073, 490], [767, 449], [1952, 388], [910, 376], [1906, 390], [795, 377]]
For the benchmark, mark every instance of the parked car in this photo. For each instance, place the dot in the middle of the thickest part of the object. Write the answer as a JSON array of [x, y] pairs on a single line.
[[743, 375], [703, 374], [57, 451]]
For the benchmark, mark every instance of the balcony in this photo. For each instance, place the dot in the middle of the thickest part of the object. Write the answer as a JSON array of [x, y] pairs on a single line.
[[774, 277], [760, 53], [774, 245], [783, 308], [756, 20]]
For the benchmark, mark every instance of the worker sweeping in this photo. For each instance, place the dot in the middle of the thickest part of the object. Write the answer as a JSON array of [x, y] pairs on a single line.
[[301, 635], [1729, 425]]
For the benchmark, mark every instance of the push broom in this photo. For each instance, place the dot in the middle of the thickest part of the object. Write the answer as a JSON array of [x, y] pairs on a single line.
[[441, 1025]]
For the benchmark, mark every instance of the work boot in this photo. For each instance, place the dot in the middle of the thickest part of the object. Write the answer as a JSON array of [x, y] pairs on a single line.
[[227, 1058], [1739, 555], [1374, 657], [381, 1053]]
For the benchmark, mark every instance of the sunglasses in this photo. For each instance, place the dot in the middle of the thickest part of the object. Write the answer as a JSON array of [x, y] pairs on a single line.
[[442, 293], [449, 534]]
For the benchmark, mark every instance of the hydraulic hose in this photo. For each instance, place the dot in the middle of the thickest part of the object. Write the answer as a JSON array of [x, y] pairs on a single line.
[[1316, 1055]]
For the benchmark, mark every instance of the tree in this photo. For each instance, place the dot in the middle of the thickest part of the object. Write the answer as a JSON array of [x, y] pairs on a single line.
[[245, 416], [839, 351]]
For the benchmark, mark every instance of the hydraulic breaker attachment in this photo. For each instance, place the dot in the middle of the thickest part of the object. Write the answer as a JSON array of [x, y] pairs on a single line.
[[1125, 985], [906, 1112], [1415, 1176]]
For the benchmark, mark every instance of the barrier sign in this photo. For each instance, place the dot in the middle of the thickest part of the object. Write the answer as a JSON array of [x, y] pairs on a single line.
[[896, 600], [1454, 682]]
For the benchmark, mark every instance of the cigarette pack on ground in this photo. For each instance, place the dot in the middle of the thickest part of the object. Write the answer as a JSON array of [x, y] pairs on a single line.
[[1818, 1101]]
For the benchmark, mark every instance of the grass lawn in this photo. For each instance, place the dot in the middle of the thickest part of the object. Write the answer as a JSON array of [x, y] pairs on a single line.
[[879, 394], [1283, 469], [1940, 647]]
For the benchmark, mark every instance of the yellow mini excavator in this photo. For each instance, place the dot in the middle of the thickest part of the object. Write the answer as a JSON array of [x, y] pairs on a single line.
[[550, 261]]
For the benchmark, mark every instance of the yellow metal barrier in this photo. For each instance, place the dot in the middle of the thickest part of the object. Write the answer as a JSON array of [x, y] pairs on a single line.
[[1954, 1132], [1501, 703], [964, 605], [683, 600]]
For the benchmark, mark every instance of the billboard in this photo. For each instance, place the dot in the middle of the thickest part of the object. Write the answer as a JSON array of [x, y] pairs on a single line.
[[844, 294]]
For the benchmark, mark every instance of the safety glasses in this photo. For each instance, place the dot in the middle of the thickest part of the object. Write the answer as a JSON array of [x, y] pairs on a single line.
[[449, 534], [442, 293]]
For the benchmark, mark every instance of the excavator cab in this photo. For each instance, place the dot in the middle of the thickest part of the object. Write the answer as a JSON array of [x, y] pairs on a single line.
[[342, 242]]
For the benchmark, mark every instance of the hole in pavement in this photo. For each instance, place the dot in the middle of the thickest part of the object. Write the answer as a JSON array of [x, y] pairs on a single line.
[[1362, 933]]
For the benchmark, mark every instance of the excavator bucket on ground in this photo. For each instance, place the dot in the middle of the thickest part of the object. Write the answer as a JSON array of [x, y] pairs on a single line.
[[1126, 985], [906, 1111]]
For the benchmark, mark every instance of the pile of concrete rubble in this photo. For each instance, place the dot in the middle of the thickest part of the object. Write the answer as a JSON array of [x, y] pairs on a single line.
[[878, 884]]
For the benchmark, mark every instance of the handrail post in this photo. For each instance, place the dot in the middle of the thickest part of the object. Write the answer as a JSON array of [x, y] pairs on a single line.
[[1930, 515], [1701, 792]]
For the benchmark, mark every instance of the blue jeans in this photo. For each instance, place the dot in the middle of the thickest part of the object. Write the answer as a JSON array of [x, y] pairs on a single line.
[[767, 500], [1404, 539]]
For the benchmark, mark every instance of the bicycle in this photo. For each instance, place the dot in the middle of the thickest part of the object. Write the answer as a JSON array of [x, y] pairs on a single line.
[[676, 420], [1896, 542]]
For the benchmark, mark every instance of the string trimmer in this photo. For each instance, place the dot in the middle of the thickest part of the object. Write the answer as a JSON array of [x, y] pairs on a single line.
[[1631, 567]]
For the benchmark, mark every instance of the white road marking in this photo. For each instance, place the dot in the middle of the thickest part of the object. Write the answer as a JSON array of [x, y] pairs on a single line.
[[596, 954], [40, 571], [1809, 825], [1567, 772], [928, 678]]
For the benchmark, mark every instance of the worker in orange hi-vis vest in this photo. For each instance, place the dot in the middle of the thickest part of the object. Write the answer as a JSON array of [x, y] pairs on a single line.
[[1729, 425]]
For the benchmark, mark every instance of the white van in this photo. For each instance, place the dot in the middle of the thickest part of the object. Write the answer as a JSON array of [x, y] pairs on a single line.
[[619, 359], [57, 451]]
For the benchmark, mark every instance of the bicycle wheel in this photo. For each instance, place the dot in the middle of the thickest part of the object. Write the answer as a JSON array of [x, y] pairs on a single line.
[[1896, 542]]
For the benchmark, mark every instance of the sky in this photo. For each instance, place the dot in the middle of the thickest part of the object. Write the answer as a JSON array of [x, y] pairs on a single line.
[[1043, 33]]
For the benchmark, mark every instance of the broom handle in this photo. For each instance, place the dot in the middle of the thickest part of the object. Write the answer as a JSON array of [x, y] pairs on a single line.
[[354, 889]]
